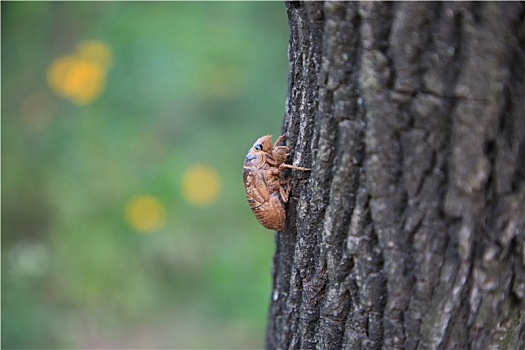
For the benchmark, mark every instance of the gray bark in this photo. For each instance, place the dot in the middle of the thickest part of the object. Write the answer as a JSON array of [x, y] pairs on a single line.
[[409, 232]]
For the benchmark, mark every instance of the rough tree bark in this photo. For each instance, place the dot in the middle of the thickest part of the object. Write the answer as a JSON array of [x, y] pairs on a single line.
[[409, 232]]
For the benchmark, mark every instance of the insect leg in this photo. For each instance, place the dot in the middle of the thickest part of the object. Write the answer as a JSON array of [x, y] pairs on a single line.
[[282, 166], [279, 140], [284, 191]]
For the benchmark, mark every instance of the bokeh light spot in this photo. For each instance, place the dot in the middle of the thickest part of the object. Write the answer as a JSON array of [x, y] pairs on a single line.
[[81, 76], [201, 185], [145, 213], [96, 52]]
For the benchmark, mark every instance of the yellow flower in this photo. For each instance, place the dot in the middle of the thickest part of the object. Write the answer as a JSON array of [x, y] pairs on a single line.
[[201, 185], [145, 213]]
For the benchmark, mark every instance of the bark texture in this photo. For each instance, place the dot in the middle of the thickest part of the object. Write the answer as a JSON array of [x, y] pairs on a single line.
[[409, 233]]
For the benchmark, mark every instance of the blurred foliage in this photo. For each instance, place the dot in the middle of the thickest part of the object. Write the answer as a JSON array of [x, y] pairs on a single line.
[[124, 129]]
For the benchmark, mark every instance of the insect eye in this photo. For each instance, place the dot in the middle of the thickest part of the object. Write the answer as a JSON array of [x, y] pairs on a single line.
[[257, 146]]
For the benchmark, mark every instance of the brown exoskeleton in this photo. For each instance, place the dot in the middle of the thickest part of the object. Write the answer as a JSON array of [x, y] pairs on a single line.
[[266, 188]]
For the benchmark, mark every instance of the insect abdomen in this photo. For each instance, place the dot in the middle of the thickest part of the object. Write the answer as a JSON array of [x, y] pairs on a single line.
[[271, 214]]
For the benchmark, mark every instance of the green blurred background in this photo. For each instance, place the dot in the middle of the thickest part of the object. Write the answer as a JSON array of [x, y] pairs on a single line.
[[124, 129]]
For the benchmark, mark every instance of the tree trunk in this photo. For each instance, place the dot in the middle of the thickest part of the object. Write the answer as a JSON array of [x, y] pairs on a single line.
[[409, 232]]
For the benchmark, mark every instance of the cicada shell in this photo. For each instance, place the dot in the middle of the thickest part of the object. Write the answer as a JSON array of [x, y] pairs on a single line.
[[266, 188]]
